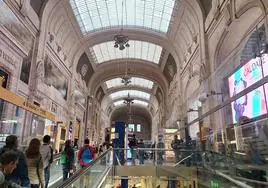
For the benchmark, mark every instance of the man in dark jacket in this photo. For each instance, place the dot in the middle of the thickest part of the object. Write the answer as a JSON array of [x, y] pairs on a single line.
[[20, 174]]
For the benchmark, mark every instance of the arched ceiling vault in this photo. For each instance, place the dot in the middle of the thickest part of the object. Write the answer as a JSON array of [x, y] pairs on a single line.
[[136, 110], [58, 15], [136, 68], [111, 103]]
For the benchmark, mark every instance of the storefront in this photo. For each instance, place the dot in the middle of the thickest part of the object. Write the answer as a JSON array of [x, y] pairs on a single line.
[[12, 117]]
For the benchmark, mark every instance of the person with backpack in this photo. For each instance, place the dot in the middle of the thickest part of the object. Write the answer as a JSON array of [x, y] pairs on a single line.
[[35, 164], [47, 156], [86, 154], [67, 160], [19, 174]]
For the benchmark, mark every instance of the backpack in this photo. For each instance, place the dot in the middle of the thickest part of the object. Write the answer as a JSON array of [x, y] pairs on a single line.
[[63, 158], [86, 156]]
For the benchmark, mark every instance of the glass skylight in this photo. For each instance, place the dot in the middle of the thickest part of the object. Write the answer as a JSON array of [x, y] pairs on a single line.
[[132, 93], [93, 15], [118, 103], [139, 102], [117, 82], [138, 50]]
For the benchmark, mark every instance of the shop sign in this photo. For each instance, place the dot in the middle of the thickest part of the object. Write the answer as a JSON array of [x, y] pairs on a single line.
[[12, 98]]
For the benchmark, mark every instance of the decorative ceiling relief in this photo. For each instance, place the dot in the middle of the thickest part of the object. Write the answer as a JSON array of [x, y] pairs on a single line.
[[57, 48], [54, 77], [170, 68]]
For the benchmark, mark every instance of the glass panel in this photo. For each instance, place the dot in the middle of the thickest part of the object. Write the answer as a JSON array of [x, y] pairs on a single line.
[[132, 93], [140, 102], [118, 103], [117, 82], [138, 50], [11, 120], [94, 15]]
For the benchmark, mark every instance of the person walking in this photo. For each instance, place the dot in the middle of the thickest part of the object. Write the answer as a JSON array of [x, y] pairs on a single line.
[[141, 152], [175, 146], [67, 160], [35, 164], [20, 174], [133, 144], [8, 162], [86, 154], [47, 156], [161, 152]]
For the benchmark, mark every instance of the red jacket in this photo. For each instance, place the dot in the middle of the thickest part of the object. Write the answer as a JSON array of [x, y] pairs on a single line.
[[81, 151]]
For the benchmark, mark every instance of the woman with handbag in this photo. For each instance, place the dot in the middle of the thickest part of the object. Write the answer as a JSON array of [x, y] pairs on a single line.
[[35, 164]]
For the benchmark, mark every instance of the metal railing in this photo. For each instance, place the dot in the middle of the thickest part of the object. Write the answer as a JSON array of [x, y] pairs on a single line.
[[92, 175]]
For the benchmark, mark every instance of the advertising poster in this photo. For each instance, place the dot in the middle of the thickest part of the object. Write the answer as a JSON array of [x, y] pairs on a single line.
[[249, 106], [265, 64], [244, 77]]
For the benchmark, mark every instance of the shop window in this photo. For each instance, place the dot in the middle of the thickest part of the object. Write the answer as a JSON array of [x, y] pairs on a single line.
[[138, 128], [63, 134], [26, 68], [131, 127]]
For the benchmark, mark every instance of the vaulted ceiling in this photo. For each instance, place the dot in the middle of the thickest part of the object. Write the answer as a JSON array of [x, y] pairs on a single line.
[[157, 30]]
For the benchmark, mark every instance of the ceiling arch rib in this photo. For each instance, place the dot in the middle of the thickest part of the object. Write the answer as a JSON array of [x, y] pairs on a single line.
[[142, 50], [94, 15]]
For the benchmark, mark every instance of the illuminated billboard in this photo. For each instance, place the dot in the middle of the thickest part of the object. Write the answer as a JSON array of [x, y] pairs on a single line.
[[249, 106], [245, 76]]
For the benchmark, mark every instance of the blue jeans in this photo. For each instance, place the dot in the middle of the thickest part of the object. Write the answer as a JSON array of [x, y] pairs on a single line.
[[47, 175], [141, 157], [66, 168], [133, 156]]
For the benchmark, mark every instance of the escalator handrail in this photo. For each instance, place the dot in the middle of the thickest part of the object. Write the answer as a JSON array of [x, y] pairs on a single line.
[[189, 156], [82, 171], [237, 182]]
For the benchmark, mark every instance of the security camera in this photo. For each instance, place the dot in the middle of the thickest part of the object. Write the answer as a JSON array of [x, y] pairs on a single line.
[[203, 97]]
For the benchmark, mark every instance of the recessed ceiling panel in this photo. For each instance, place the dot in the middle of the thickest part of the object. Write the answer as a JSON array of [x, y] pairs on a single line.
[[141, 82], [138, 50], [93, 15], [132, 93]]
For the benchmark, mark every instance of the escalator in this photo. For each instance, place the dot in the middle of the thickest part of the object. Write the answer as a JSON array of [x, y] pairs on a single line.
[[201, 169], [92, 176]]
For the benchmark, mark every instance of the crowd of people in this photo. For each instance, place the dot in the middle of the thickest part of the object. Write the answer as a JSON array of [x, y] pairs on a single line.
[[137, 149], [31, 169]]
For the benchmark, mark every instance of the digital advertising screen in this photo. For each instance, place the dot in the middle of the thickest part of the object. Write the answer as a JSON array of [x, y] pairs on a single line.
[[266, 92], [265, 64], [249, 106], [245, 76]]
